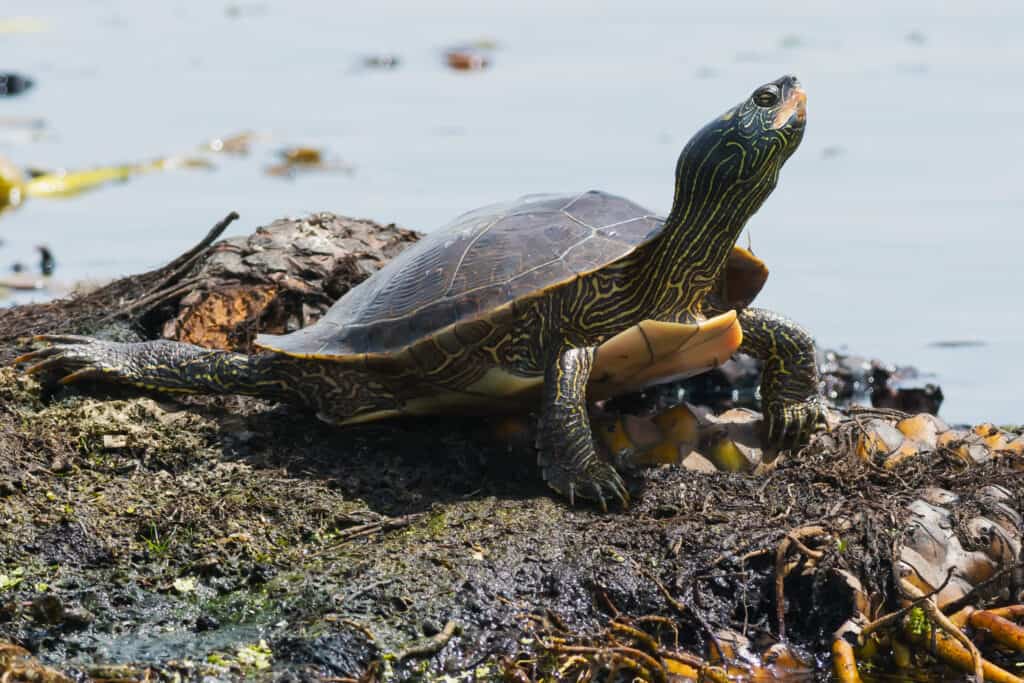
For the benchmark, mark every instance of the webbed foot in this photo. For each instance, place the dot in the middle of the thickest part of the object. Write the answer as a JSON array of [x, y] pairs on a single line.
[[790, 424], [79, 358]]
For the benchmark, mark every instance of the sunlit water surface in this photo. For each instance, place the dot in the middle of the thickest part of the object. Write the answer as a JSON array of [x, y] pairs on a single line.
[[897, 224]]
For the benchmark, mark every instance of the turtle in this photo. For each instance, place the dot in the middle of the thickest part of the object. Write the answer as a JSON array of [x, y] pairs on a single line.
[[541, 303]]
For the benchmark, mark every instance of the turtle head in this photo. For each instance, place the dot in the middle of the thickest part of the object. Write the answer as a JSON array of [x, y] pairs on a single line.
[[769, 123], [743, 150], [724, 174]]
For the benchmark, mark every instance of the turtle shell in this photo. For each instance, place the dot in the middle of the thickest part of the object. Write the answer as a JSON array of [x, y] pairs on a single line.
[[476, 264]]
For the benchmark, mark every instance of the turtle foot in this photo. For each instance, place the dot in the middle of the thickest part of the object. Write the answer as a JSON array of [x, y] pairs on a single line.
[[78, 358], [790, 424], [584, 475]]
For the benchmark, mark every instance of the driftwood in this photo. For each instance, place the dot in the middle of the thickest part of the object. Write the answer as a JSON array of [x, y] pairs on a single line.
[[279, 278]]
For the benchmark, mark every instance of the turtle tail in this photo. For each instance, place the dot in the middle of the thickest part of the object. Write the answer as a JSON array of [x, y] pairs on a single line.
[[161, 365]]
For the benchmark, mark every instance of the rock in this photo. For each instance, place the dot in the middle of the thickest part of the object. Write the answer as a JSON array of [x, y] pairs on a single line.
[[880, 438], [698, 463], [923, 428]]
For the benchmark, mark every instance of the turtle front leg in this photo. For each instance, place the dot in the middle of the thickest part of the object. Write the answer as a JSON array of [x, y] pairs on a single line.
[[790, 400], [567, 456]]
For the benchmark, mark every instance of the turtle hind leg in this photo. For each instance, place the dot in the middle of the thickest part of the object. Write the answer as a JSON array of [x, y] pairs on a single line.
[[567, 456], [161, 365]]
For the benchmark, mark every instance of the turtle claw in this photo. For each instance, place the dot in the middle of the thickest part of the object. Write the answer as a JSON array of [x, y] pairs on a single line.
[[63, 338], [602, 483], [615, 490], [593, 479], [790, 424], [34, 356], [82, 358], [82, 375]]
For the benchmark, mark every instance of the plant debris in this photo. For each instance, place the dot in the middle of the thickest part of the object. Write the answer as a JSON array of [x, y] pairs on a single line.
[[14, 84], [300, 159]]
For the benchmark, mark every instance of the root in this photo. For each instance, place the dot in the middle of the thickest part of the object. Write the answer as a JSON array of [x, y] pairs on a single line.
[[950, 650], [791, 539], [1002, 630], [429, 646], [942, 621], [843, 661]]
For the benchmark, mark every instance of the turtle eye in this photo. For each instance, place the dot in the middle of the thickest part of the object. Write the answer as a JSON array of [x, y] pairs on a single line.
[[766, 95]]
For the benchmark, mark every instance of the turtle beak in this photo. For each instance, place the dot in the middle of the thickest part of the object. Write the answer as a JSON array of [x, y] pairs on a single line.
[[793, 109]]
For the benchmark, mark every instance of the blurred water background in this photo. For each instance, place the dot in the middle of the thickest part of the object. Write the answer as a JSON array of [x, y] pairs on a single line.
[[897, 225]]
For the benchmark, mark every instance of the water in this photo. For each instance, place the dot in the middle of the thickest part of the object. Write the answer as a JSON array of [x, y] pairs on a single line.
[[896, 225]]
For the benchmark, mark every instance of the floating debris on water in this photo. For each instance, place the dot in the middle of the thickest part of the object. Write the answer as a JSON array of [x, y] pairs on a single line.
[[22, 280], [471, 56], [17, 185], [295, 159], [239, 144], [23, 25], [22, 129], [64, 183], [751, 57], [14, 84], [381, 62], [11, 185], [916, 37], [957, 344], [791, 41], [240, 10], [833, 152], [302, 156], [449, 130], [466, 60], [31, 122], [482, 44], [47, 263]]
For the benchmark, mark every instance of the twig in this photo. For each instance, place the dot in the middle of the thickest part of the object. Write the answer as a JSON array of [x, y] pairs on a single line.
[[183, 263], [362, 628], [366, 589], [889, 618], [370, 528], [169, 286], [156, 297], [428, 647], [968, 598]]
